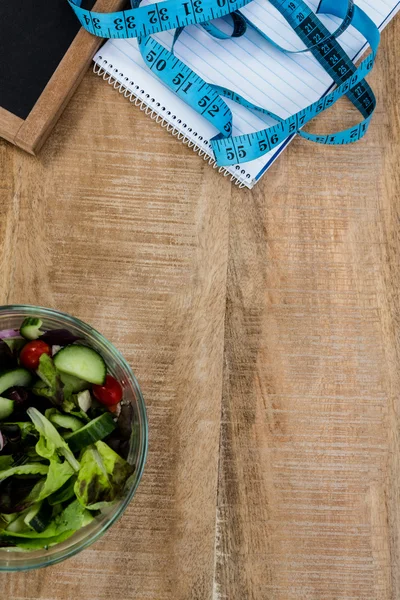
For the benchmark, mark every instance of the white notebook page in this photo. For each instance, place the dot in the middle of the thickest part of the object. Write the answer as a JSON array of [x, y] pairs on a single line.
[[282, 83]]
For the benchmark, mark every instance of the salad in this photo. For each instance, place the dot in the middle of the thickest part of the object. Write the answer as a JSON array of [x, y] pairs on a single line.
[[65, 435]]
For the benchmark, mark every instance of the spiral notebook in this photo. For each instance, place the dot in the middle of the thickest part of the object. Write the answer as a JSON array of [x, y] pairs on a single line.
[[283, 83]]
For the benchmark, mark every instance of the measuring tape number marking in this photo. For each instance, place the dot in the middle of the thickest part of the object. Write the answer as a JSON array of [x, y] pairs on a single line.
[[207, 99]]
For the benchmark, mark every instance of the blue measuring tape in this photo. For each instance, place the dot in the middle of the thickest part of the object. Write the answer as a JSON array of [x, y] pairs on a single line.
[[208, 99]]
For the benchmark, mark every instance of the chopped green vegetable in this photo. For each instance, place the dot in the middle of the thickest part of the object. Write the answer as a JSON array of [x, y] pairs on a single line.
[[47, 371], [6, 462], [10, 518], [57, 475], [117, 468], [17, 525], [39, 517], [26, 428], [16, 544], [15, 344], [93, 484], [6, 408], [47, 493], [64, 421], [33, 544], [66, 492], [50, 377], [79, 414], [45, 448], [68, 405], [102, 476], [72, 518], [50, 438], [81, 362], [72, 407], [31, 469], [16, 377], [30, 328], [41, 389], [95, 430], [73, 383]]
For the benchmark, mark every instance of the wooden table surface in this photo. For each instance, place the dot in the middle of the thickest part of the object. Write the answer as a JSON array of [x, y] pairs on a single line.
[[264, 329]]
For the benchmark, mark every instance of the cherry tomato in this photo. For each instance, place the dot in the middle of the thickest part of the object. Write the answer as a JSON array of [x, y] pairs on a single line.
[[31, 353], [110, 393]]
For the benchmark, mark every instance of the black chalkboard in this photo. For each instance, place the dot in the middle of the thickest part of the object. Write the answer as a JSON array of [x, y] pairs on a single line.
[[34, 37]]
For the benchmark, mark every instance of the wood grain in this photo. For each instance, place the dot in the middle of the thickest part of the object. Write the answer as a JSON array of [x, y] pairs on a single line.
[[308, 491], [263, 327], [9, 125], [95, 228]]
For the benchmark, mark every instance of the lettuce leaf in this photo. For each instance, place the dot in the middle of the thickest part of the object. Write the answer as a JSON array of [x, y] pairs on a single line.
[[117, 468], [58, 474], [32, 469], [14, 492], [93, 485], [49, 375], [3, 523], [32, 544], [46, 448], [71, 519], [64, 493], [26, 429], [51, 443], [102, 476], [6, 462]]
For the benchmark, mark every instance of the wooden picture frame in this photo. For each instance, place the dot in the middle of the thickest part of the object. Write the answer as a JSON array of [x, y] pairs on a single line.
[[31, 133]]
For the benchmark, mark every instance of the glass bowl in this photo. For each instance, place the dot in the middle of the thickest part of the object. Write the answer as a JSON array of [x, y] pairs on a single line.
[[11, 317]]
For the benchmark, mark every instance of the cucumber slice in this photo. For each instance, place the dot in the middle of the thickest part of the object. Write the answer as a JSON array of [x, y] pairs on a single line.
[[93, 432], [16, 377], [30, 328], [65, 421], [17, 525], [74, 384], [6, 408], [39, 516], [82, 416], [82, 362]]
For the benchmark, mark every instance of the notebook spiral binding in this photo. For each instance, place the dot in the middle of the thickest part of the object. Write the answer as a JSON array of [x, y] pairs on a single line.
[[160, 115]]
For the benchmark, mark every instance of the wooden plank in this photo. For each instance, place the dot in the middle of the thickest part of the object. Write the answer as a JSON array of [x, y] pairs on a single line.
[[103, 228], [9, 125], [311, 383], [308, 499], [389, 191]]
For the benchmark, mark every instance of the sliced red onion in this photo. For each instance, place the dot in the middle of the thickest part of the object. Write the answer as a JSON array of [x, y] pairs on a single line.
[[59, 337], [2, 441], [7, 360], [19, 395], [9, 333]]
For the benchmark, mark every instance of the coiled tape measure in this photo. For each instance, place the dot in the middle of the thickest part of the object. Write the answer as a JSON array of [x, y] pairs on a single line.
[[208, 99]]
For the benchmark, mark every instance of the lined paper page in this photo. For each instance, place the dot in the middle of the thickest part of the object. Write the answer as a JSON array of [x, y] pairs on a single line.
[[282, 83]]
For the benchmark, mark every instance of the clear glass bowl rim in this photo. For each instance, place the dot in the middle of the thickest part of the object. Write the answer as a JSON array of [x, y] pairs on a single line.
[[40, 311]]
